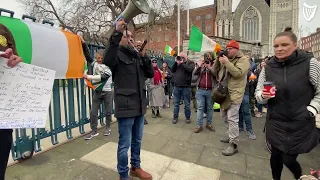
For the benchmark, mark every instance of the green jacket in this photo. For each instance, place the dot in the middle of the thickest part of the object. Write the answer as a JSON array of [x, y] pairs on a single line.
[[237, 69]]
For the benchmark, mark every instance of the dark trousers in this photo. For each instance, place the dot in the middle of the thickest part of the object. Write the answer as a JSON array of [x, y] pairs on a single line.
[[278, 158], [184, 94], [252, 99], [244, 114], [193, 97], [98, 98], [5, 146]]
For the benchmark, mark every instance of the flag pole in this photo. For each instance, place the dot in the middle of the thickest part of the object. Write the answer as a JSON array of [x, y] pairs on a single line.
[[188, 21], [178, 4]]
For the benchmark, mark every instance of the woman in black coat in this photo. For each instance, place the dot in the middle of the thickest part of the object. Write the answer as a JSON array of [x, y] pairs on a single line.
[[290, 124]]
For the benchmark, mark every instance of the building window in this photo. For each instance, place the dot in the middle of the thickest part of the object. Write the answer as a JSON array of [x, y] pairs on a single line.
[[198, 18], [166, 37], [229, 29], [203, 24], [223, 28], [166, 27], [159, 39], [208, 16], [208, 29], [250, 25], [159, 28], [223, 2]]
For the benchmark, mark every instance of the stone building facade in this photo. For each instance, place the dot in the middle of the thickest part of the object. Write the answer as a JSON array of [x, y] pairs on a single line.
[[283, 13], [256, 21]]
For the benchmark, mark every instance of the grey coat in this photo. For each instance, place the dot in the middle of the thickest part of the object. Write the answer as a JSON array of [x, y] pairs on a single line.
[[156, 93]]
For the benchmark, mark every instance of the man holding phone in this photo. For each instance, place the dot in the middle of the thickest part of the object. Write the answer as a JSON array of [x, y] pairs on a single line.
[[182, 70]]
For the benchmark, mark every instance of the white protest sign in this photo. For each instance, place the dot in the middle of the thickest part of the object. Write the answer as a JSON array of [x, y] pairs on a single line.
[[25, 93]]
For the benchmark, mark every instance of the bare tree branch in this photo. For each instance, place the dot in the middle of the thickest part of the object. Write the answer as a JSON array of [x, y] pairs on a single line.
[[95, 17]]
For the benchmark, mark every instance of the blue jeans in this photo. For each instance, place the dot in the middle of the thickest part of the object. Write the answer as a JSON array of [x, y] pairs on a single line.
[[244, 114], [178, 94], [260, 106], [204, 102], [130, 133]]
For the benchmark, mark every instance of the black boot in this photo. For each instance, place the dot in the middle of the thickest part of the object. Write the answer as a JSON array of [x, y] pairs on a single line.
[[158, 114], [153, 113], [145, 121]]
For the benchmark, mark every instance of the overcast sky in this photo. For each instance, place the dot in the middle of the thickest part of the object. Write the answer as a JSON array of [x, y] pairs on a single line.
[[19, 10], [312, 25]]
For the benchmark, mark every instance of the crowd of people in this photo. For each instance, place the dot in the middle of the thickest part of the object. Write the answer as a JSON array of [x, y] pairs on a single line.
[[124, 72]]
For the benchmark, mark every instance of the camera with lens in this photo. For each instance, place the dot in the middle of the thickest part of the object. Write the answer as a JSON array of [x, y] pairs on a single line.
[[207, 61], [223, 52], [179, 58]]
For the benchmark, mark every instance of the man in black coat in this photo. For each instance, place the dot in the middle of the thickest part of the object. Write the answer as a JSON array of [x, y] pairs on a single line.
[[182, 69], [129, 68]]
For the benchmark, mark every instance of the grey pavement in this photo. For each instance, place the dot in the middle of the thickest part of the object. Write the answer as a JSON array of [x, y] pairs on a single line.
[[169, 140]]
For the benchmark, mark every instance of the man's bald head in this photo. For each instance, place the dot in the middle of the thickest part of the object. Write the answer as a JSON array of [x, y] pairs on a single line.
[[184, 55]]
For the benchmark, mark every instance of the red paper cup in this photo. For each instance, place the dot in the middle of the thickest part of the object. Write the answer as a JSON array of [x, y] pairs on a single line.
[[270, 87]]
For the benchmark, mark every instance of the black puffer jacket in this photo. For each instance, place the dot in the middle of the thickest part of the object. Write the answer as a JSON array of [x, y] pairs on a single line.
[[289, 126]]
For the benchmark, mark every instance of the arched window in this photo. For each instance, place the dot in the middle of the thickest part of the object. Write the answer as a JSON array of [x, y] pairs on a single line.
[[250, 25], [223, 28], [229, 30]]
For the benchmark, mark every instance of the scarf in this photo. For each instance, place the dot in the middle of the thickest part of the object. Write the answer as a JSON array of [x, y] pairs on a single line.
[[157, 76]]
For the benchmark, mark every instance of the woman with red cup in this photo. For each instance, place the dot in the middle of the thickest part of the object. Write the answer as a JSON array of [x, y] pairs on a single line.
[[290, 85]]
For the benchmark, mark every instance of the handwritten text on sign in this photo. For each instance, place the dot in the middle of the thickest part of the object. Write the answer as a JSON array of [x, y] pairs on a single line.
[[25, 93]]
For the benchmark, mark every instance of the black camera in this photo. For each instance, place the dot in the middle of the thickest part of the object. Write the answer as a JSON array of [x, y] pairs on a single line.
[[223, 52], [179, 58], [207, 61]]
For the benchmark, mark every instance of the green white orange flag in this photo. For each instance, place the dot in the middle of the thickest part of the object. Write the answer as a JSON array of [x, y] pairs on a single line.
[[169, 50], [45, 46], [201, 43]]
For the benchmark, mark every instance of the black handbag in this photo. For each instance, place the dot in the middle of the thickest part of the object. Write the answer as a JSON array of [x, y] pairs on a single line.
[[220, 90]]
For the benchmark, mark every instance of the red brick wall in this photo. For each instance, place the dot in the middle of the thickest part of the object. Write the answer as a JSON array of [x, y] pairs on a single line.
[[312, 43], [171, 30]]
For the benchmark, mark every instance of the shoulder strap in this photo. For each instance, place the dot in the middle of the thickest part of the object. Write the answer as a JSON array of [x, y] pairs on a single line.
[[223, 75]]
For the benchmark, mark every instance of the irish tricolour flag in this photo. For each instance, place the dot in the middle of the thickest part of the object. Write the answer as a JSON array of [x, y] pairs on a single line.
[[202, 43], [169, 50], [47, 47]]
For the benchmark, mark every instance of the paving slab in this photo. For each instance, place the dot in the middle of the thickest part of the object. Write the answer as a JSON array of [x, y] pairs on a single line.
[[160, 166], [98, 173], [182, 150], [179, 170], [154, 143], [176, 133], [162, 140], [154, 129], [213, 158]]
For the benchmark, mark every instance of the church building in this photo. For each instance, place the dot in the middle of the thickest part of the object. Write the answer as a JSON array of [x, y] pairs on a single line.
[[255, 21]]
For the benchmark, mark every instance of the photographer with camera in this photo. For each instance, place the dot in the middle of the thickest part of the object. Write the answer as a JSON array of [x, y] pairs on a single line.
[[231, 69], [182, 70], [205, 81]]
